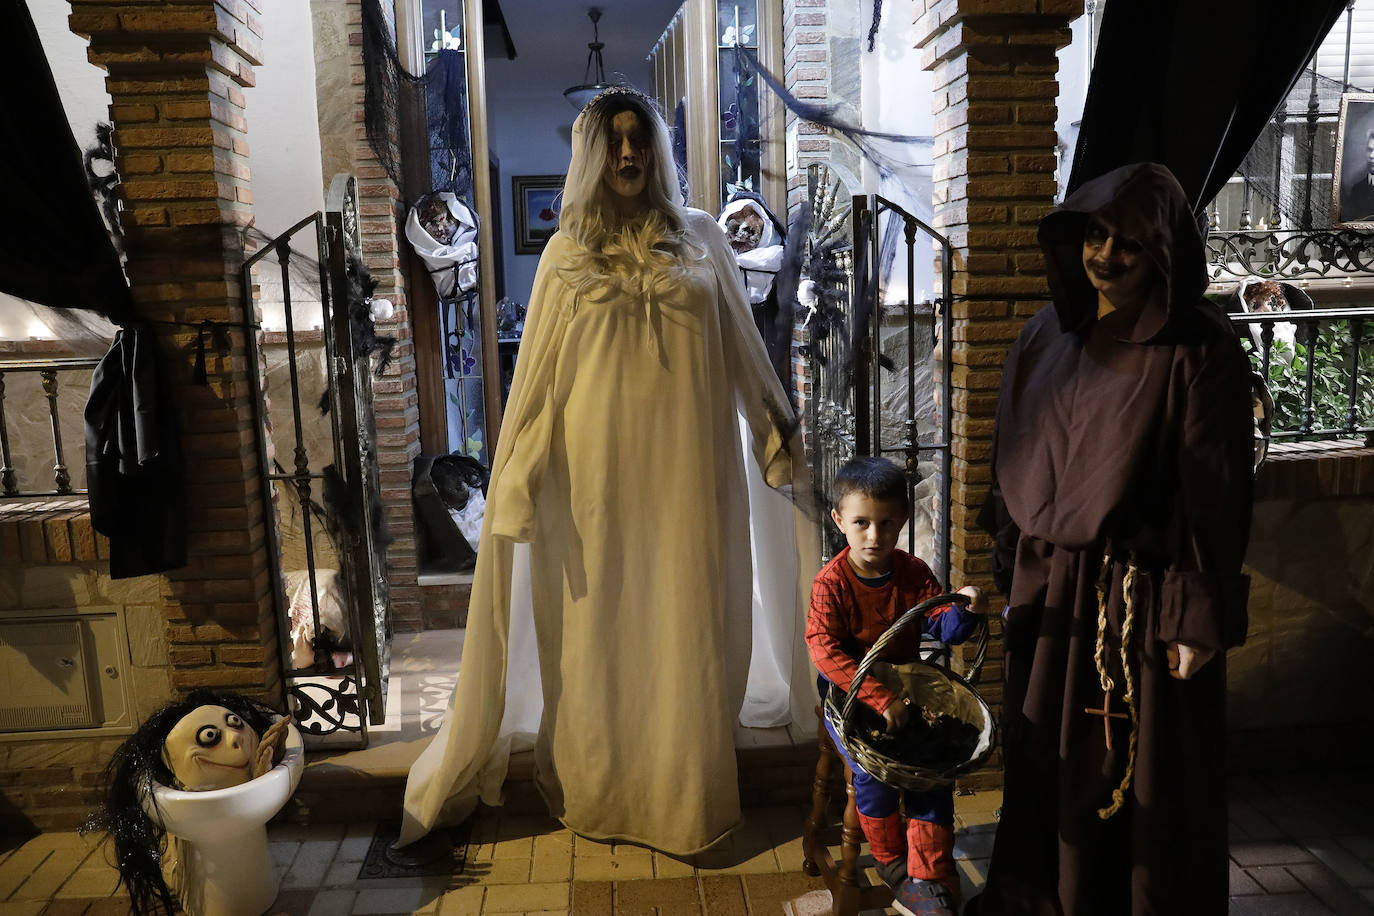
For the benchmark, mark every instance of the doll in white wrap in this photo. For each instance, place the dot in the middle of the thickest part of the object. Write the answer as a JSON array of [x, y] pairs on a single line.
[[756, 237], [638, 590]]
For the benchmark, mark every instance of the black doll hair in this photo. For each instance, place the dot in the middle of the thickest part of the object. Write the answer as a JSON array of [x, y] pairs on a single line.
[[139, 841]]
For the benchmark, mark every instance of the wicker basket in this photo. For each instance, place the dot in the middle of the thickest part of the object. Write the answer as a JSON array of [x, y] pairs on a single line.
[[927, 685]]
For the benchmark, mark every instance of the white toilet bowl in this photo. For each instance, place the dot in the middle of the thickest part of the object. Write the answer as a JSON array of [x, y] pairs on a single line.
[[225, 868]]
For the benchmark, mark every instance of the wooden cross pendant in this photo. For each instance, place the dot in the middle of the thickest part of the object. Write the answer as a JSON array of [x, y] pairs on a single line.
[[1107, 716]]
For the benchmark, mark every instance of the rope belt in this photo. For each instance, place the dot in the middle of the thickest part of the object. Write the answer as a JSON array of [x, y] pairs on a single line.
[[1100, 658]]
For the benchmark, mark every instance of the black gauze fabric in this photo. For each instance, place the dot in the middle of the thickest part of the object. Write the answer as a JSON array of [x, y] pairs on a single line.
[[1190, 84]]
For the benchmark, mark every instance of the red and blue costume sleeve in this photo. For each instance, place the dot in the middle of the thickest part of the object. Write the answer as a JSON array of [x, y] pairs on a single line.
[[828, 631], [951, 623]]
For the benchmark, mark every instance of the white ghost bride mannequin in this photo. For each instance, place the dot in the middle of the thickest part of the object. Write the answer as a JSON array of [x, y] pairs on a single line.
[[638, 587]]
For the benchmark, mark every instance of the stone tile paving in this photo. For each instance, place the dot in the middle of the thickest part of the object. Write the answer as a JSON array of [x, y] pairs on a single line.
[[1294, 850]]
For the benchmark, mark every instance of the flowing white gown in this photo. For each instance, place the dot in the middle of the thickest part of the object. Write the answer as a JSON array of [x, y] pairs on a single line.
[[624, 542]]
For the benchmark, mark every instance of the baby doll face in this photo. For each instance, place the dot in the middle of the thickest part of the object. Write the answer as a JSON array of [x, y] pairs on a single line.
[[871, 527], [628, 157], [210, 748], [435, 219], [744, 229]]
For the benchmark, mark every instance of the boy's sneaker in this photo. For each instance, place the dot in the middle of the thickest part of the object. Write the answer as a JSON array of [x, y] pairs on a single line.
[[893, 873], [916, 897]]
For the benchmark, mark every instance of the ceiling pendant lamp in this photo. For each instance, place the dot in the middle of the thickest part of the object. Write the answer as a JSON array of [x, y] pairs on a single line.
[[579, 96]]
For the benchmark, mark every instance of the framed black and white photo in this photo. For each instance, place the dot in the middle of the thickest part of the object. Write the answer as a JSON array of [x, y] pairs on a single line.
[[536, 201], [1353, 184]]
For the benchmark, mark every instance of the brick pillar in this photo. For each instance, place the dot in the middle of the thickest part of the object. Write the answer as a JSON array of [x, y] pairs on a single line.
[[995, 91], [806, 61], [175, 78], [396, 397]]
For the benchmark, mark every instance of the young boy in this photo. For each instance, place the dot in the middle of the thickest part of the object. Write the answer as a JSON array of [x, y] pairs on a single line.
[[854, 599]]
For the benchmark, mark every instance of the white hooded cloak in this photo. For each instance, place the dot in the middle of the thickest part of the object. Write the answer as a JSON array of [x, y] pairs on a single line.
[[638, 587]]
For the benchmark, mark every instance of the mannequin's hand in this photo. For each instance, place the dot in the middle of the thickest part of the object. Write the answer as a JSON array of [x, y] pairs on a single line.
[[1186, 660], [896, 716], [978, 603], [271, 747]]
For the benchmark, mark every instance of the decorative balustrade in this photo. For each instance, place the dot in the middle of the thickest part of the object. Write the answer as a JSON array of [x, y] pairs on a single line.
[[1321, 375], [49, 371], [1290, 254]]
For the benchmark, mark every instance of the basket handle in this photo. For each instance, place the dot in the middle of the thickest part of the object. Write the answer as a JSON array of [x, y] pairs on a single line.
[[891, 633]]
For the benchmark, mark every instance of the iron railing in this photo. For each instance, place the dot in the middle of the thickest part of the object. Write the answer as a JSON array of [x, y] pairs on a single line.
[[1290, 254], [1320, 380], [48, 370], [869, 402]]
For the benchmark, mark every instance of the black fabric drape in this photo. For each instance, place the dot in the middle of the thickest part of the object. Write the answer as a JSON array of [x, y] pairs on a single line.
[[56, 251], [1191, 83], [133, 459]]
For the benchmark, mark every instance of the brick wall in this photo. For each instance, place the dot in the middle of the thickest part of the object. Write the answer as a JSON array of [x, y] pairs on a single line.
[[396, 401], [806, 65], [175, 78], [995, 88]]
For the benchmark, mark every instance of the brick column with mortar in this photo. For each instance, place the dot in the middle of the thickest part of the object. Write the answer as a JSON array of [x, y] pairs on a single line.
[[175, 78], [995, 89], [395, 396]]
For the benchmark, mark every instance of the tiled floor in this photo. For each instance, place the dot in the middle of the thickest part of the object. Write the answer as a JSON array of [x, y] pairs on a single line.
[[1294, 850], [1297, 846]]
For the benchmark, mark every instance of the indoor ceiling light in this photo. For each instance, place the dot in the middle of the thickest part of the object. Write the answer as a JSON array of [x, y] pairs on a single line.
[[579, 96]]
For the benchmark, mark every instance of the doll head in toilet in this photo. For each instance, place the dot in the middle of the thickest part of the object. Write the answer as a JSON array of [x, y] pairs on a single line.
[[207, 741], [213, 747]]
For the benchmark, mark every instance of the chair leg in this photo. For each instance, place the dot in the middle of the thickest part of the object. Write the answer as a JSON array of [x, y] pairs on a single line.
[[820, 796], [846, 893]]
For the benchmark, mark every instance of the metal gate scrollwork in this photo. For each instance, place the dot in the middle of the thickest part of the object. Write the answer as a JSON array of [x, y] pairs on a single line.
[[860, 325], [329, 579]]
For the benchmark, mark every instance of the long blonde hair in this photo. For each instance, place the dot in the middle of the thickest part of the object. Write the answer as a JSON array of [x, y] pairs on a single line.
[[636, 256]]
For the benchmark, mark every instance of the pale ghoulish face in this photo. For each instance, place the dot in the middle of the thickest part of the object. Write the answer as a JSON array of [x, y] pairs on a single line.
[[628, 156], [210, 748], [1116, 264], [744, 229]]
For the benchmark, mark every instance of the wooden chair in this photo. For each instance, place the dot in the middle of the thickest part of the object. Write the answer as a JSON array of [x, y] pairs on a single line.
[[848, 896]]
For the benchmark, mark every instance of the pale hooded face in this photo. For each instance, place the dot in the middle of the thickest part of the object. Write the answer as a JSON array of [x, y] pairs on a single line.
[[1116, 264], [628, 155], [210, 748]]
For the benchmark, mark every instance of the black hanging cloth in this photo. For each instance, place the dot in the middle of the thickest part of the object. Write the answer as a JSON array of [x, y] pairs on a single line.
[[55, 251], [1190, 84]]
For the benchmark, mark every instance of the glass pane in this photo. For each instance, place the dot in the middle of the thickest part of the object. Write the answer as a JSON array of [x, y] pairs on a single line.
[[727, 77], [443, 24], [737, 22]]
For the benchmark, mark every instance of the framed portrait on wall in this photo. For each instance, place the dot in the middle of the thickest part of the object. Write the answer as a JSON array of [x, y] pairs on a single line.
[[1353, 180], [535, 200]]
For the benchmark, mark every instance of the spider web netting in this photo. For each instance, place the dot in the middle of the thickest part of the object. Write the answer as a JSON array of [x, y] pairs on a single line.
[[389, 87], [1301, 133]]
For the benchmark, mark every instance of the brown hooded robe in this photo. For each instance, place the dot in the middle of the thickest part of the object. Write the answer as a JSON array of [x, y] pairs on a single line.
[[1129, 434]]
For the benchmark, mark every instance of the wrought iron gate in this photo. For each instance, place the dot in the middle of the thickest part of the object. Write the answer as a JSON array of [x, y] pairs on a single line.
[[336, 681], [847, 412]]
